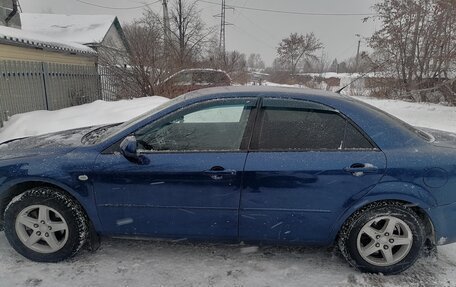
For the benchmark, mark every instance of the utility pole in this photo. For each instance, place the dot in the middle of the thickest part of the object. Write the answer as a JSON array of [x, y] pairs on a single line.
[[181, 30], [357, 53], [222, 42], [166, 27]]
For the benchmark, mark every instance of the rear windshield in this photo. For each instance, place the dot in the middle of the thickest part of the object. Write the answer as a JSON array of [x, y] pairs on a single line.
[[420, 133]]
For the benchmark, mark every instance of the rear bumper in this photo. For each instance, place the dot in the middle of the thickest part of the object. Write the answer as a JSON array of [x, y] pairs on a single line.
[[444, 221]]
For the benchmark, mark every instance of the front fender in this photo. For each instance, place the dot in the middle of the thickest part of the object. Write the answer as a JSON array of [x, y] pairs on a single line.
[[411, 193], [83, 193]]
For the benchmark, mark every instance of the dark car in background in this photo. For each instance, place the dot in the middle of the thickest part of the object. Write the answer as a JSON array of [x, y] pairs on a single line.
[[238, 164], [189, 80]]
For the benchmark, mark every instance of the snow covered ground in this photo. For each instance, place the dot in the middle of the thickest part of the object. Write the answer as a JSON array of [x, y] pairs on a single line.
[[96, 113], [152, 263]]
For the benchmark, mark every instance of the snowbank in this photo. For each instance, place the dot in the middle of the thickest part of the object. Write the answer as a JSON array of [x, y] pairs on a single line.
[[96, 113]]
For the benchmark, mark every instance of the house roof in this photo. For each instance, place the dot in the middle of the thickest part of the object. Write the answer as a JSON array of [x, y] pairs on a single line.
[[20, 37], [82, 29]]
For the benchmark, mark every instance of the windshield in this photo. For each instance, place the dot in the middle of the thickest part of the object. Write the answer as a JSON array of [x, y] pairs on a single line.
[[93, 136]]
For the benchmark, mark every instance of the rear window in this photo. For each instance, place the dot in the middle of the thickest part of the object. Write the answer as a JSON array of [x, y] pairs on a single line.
[[293, 128]]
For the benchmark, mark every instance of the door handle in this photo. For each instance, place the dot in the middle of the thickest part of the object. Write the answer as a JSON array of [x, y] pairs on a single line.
[[358, 169], [218, 172]]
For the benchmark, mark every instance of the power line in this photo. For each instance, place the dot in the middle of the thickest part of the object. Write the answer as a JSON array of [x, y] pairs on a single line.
[[259, 40], [257, 25], [290, 12], [117, 8]]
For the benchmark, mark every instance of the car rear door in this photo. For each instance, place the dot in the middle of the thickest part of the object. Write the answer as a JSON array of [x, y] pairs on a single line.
[[188, 185], [306, 164]]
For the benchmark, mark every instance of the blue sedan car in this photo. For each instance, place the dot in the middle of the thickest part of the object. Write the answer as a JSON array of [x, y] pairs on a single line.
[[258, 165]]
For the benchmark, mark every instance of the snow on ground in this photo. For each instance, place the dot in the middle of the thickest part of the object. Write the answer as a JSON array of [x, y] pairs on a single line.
[[96, 113], [418, 114], [153, 263]]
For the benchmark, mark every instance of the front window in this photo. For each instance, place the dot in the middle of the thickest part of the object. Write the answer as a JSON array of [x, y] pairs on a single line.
[[217, 126]]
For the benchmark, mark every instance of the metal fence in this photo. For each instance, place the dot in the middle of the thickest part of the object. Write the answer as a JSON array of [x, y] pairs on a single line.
[[109, 87], [29, 86]]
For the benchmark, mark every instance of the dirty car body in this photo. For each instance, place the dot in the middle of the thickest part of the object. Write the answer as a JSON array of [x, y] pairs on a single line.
[[241, 164]]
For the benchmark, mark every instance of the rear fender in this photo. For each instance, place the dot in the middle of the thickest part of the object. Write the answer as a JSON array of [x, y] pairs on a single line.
[[411, 194]]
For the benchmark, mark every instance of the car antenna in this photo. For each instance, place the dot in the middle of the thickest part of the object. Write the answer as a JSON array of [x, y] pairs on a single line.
[[358, 78], [363, 76]]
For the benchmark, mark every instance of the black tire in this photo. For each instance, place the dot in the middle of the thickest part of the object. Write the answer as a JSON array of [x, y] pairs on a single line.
[[71, 212], [348, 236]]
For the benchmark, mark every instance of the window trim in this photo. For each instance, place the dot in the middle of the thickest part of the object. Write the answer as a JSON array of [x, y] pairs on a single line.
[[327, 109]]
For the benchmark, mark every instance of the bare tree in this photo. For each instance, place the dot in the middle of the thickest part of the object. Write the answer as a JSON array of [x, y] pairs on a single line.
[[334, 66], [365, 64], [145, 64], [188, 33], [235, 64], [417, 40], [255, 62], [149, 60], [296, 48]]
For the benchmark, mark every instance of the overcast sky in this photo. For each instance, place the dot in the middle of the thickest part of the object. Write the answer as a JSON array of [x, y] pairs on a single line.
[[253, 31]]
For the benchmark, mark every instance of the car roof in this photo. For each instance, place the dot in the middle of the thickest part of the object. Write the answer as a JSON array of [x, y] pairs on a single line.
[[331, 99]]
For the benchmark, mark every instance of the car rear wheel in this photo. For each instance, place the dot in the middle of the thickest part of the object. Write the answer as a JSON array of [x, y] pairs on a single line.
[[45, 225], [383, 238]]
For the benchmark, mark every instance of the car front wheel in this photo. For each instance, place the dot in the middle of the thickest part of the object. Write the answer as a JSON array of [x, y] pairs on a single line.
[[383, 238], [45, 225]]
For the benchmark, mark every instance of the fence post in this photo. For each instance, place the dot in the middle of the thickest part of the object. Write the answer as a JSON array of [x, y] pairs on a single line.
[[44, 71], [98, 81]]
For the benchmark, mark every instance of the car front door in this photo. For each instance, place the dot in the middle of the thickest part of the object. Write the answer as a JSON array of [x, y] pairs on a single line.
[[188, 184], [307, 163]]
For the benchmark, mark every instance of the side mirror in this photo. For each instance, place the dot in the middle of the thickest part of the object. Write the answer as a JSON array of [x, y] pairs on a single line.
[[129, 148]]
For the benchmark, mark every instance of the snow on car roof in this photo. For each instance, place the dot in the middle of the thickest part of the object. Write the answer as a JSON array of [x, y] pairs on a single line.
[[82, 29], [27, 38]]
